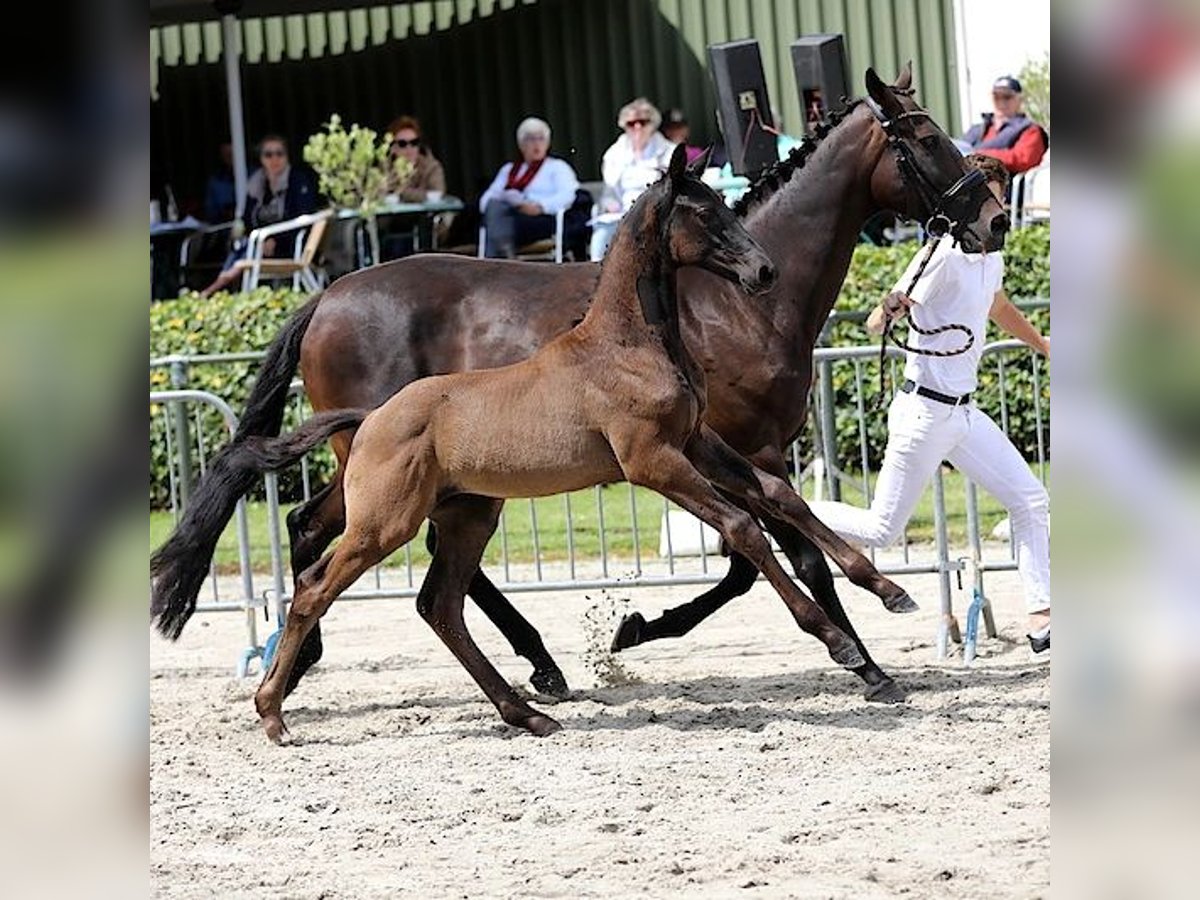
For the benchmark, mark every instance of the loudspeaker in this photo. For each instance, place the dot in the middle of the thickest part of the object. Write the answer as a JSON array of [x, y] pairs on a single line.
[[819, 61], [743, 106]]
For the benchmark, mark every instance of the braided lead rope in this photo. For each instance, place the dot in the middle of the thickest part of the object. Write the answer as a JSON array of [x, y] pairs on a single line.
[[931, 246]]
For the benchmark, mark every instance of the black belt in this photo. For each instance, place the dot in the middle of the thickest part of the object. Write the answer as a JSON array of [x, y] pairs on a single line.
[[911, 386]]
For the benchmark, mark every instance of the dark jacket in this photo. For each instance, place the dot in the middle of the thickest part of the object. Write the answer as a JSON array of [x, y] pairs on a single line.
[[301, 196]]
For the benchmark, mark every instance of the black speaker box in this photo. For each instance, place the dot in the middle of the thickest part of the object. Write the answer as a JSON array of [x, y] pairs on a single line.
[[819, 61], [743, 105]]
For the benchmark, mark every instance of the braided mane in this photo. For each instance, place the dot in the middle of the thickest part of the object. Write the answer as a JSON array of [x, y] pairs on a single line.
[[777, 174]]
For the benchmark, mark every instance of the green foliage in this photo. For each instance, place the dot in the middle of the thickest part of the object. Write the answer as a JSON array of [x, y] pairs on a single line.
[[356, 168], [224, 323], [1035, 82], [232, 323]]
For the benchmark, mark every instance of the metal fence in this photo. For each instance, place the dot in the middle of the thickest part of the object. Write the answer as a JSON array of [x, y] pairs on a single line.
[[598, 538]]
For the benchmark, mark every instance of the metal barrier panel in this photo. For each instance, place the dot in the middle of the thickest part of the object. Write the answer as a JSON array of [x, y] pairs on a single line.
[[606, 537]]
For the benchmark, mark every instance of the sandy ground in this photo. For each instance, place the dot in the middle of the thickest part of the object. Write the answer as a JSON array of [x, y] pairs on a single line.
[[738, 761]]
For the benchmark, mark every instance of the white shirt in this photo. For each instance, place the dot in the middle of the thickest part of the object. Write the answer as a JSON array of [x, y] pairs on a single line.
[[553, 187], [955, 287], [627, 174]]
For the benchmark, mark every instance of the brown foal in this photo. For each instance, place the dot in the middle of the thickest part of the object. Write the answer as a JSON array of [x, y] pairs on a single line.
[[616, 398]]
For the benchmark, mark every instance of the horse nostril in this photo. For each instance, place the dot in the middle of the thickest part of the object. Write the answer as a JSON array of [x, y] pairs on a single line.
[[999, 225], [766, 276]]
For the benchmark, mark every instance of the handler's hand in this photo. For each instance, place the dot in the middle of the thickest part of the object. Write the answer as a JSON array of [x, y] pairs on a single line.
[[531, 209], [896, 305]]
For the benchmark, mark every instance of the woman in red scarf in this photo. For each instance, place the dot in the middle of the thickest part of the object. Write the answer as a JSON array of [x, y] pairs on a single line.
[[520, 204]]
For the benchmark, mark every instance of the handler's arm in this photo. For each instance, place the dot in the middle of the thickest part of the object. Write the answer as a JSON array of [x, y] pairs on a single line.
[[894, 306], [1013, 321]]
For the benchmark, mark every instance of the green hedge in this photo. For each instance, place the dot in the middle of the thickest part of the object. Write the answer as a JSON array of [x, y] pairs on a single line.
[[239, 322]]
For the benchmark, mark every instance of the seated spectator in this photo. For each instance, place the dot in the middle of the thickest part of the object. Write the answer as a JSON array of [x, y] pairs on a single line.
[[1007, 133], [427, 173], [219, 192], [276, 192], [675, 128], [427, 181], [633, 162], [520, 204]]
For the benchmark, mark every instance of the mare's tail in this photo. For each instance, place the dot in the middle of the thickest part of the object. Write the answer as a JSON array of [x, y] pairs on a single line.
[[179, 566]]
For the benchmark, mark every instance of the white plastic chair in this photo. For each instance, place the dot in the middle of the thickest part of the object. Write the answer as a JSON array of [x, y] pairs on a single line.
[[1031, 196], [547, 248], [309, 231]]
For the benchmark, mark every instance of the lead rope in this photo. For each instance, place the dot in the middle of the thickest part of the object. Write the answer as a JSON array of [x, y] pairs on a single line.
[[931, 246]]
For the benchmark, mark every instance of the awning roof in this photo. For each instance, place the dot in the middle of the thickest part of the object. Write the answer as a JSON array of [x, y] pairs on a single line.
[[177, 12]]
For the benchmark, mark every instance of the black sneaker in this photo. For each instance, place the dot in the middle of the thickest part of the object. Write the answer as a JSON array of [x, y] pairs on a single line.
[[1039, 644]]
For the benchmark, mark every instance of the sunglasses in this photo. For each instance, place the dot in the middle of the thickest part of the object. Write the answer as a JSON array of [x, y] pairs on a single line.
[[1002, 96], [400, 142], [274, 153], [643, 122]]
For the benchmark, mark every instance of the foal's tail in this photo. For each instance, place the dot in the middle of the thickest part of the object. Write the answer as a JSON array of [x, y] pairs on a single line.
[[178, 567]]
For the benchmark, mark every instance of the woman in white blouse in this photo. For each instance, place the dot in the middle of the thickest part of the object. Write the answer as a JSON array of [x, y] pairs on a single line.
[[520, 204], [635, 161]]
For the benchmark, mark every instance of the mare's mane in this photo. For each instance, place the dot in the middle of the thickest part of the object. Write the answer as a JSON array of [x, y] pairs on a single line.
[[775, 176]]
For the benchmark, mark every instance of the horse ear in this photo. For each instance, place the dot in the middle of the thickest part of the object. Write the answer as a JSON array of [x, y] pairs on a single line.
[[882, 94], [697, 166], [678, 163], [904, 82]]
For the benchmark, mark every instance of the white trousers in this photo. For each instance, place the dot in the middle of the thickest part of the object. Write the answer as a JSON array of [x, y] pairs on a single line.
[[922, 433]]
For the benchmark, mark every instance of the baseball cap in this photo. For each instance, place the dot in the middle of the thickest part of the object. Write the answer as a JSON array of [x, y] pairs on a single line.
[[674, 117], [1007, 83]]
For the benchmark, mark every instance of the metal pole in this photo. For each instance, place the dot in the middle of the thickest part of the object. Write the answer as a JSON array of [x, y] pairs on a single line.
[[183, 440], [231, 53], [828, 431], [948, 627]]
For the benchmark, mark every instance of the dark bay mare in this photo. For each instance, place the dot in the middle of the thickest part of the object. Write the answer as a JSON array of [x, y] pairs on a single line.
[[376, 330]]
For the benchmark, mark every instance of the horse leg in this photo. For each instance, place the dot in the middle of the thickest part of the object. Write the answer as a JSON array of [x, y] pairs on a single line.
[[547, 677], [312, 526], [390, 503], [666, 470], [471, 520], [678, 621], [811, 567], [771, 496]]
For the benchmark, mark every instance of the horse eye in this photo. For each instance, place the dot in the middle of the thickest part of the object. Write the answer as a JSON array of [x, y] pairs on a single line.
[[930, 142]]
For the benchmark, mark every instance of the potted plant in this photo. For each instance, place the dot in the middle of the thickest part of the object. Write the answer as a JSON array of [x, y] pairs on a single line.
[[356, 169]]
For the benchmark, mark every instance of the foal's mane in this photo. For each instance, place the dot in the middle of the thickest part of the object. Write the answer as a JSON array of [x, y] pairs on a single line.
[[778, 174]]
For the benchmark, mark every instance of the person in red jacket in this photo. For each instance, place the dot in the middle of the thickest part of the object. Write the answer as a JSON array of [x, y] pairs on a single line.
[[1008, 134]]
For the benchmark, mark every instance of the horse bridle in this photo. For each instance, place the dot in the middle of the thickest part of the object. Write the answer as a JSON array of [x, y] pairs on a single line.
[[949, 211]]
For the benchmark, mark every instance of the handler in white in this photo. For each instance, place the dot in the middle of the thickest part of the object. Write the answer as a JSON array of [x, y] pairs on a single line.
[[932, 419]]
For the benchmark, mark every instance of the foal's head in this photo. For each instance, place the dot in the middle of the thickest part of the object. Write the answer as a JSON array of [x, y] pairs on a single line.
[[698, 229], [925, 176]]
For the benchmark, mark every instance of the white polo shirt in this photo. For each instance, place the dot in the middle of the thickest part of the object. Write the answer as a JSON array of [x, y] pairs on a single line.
[[955, 287]]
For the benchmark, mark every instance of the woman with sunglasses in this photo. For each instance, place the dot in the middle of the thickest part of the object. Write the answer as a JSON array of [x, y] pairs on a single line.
[[427, 173], [636, 159], [277, 191]]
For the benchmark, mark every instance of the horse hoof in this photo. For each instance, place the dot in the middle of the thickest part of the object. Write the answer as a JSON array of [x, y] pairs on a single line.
[[901, 603], [276, 731], [541, 726], [550, 681], [629, 632], [845, 654], [886, 691]]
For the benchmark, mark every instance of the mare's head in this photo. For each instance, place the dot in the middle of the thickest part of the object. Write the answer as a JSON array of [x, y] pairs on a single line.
[[924, 175], [698, 229]]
